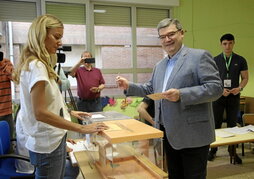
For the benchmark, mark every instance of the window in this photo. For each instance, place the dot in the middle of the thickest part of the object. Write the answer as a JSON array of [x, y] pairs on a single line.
[[74, 18], [149, 50], [108, 33], [113, 42]]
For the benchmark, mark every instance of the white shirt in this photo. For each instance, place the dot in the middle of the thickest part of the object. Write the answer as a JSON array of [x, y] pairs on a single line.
[[42, 137]]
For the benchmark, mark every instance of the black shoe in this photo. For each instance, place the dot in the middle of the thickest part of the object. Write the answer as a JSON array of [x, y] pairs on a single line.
[[238, 160], [231, 151], [211, 156]]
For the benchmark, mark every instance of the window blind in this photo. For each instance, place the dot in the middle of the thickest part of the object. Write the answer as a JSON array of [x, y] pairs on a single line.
[[67, 13], [147, 17], [18, 11], [112, 15]]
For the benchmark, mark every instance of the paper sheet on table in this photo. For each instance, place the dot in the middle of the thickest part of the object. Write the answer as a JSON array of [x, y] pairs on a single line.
[[156, 96], [97, 116], [223, 134], [250, 128], [237, 130], [113, 127]]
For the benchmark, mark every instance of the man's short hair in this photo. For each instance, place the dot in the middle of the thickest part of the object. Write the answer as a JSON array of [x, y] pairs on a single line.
[[167, 22], [86, 52], [227, 37]]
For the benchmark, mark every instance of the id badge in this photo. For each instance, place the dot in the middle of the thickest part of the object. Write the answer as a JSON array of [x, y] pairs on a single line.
[[227, 83]]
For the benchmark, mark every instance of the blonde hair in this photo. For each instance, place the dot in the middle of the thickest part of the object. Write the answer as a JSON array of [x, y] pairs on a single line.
[[35, 47]]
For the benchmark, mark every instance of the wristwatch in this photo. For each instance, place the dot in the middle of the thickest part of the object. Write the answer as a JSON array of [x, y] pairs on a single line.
[[240, 88]]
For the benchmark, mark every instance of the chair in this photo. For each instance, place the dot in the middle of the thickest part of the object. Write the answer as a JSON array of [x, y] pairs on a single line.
[[248, 118], [7, 160]]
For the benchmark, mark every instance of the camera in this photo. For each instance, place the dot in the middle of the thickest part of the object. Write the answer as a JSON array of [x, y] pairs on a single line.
[[89, 60], [61, 56], [1, 55]]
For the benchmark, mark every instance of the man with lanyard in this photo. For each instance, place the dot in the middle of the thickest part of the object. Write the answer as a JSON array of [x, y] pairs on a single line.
[[231, 67]]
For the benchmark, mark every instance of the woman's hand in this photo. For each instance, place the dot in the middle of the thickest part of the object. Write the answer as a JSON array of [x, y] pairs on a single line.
[[80, 114], [93, 128], [68, 149], [71, 141]]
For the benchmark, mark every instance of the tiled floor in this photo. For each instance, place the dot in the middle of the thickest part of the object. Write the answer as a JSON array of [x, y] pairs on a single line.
[[221, 168]]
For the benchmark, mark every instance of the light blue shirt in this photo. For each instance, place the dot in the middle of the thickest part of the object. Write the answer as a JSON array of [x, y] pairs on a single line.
[[170, 66]]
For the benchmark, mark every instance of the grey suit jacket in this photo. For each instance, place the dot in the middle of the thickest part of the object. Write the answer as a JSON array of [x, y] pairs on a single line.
[[189, 122]]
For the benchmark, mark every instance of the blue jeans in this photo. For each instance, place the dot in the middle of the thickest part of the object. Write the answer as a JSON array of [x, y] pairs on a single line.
[[52, 165]]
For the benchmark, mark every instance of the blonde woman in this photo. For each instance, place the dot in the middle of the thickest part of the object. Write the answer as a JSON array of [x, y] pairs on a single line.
[[45, 117]]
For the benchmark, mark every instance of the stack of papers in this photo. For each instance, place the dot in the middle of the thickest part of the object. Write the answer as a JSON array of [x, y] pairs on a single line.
[[240, 130], [230, 132], [223, 134], [79, 146]]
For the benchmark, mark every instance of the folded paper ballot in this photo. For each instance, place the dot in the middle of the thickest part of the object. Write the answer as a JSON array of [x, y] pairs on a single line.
[[97, 116], [156, 96]]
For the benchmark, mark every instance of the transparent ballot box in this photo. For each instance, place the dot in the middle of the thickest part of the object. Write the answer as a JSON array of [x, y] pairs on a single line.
[[105, 116], [128, 149]]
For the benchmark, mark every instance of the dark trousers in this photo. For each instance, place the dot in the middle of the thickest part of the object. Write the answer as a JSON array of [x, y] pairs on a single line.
[[230, 105], [93, 105], [187, 163]]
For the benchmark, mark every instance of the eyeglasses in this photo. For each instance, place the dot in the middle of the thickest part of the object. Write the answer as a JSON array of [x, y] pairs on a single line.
[[169, 35]]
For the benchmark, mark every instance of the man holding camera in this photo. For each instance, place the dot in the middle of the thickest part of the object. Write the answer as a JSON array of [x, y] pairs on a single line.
[[90, 83]]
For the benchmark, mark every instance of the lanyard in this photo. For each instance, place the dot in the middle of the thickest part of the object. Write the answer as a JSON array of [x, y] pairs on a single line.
[[227, 63]]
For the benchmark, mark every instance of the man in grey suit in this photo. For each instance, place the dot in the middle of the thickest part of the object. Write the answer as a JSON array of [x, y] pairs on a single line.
[[189, 81]]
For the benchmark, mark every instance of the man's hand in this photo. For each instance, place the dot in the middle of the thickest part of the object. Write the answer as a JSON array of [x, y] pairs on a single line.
[[235, 91], [123, 83], [95, 89], [172, 95], [226, 92], [82, 61]]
